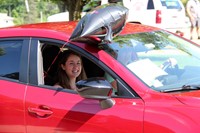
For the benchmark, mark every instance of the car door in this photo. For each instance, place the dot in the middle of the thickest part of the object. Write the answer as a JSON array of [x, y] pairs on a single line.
[[13, 60], [50, 109]]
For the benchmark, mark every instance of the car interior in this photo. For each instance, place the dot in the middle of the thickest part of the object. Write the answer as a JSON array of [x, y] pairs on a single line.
[[50, 52], [51, 59]]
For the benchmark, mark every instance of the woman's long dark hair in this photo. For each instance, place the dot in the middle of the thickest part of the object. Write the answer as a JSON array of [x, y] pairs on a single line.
[[62, 77]]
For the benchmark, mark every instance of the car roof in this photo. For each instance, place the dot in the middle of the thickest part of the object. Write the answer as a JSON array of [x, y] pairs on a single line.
[[60, 30]]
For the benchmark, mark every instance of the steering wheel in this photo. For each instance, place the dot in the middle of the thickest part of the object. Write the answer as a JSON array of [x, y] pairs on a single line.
[[171, 67]]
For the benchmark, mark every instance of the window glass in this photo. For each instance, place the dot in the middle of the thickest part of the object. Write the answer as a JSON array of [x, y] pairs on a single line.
[[10, 52], [161, 60], [150, 4], [171, 4]]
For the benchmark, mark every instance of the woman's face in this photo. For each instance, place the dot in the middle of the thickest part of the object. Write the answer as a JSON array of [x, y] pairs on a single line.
[[72, 66]]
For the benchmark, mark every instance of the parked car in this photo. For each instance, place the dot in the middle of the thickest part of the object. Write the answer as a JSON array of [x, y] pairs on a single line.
[[166, 14], [157, 75]]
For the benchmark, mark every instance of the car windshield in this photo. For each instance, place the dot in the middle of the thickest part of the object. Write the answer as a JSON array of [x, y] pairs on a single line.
[[160, 59]]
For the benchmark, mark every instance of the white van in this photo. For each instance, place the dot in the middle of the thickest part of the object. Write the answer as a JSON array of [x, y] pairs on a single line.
[[166, 14]]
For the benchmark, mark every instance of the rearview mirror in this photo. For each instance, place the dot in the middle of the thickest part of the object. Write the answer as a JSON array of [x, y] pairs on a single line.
[[96, 88]]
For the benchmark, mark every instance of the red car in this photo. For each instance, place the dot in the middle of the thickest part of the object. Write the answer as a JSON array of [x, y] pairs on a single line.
[[157, 75]]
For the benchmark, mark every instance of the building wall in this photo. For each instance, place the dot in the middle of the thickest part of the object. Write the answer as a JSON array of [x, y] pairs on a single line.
[[5, 21]]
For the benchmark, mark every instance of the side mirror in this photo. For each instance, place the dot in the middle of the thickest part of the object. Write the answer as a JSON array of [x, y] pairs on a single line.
[[96, 88]]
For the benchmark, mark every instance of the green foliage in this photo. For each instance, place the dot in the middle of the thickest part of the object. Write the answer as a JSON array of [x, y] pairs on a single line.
[[39, 10], [13, 8], [91, 4]]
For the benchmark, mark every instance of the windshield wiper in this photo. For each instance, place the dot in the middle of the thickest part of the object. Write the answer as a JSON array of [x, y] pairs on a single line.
[[183, 88]]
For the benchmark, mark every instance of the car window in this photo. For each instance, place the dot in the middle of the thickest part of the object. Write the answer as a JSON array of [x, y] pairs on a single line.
[[51, 57], [10, 53], [159, 59], [150, 4], [96, 70], [171, 4]]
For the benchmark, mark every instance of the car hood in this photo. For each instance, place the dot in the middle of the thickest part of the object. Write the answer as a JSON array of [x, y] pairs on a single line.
[[191, 98]]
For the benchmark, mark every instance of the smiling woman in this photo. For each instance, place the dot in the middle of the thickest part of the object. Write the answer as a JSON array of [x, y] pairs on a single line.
[[70, 70]]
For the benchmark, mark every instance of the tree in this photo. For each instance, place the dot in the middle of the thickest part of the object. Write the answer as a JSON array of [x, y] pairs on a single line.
[[74, 7], [31, 15], [13, 8], [39, 10]]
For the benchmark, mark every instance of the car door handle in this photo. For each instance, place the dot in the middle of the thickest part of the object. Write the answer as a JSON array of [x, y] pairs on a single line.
[[41, 112]]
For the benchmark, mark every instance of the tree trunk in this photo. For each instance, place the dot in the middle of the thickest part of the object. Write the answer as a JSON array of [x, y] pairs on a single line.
[[78, 10], [74, 7], [32, 14]]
